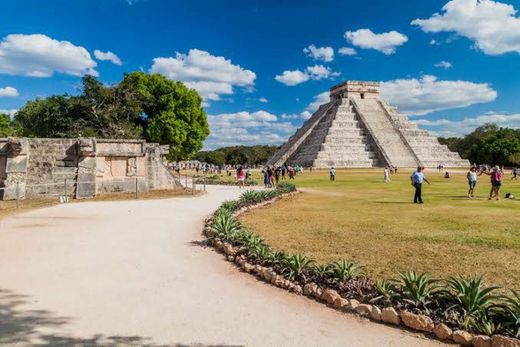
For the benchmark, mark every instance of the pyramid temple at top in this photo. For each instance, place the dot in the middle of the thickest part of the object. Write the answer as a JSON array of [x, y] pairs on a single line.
[[358, 129]]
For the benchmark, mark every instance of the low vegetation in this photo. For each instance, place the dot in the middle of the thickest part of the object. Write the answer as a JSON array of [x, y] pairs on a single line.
[[457, 301], [361, 218]]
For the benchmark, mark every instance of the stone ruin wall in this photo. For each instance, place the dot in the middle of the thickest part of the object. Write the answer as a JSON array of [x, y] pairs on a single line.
[[80, 168]]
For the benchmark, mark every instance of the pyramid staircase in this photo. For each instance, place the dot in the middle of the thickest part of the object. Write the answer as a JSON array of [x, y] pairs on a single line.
[[357, 129]]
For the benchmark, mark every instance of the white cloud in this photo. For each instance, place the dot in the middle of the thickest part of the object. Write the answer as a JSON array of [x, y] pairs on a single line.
[[444, 64], [492, 25], [325, 54], [9, 112], [384, 42], [263, 100], [316, 72], [211, 75], [38, 55], [107, 56], [347, 51], [292, 78], [425, 95], [316, 102], [246, 128], [449, 128], [8, 92]]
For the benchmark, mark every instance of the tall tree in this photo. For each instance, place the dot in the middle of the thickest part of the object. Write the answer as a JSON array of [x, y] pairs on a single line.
[[141, 106], [6, 126]]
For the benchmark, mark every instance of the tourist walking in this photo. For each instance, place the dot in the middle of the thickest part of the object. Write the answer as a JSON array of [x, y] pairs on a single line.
[[332, 174], [387, 174], [270, 172], [284, 170], [496, 182], [266, 177], [417, 179], [277, 173], [472, 181], [291, 172], [241, 176]]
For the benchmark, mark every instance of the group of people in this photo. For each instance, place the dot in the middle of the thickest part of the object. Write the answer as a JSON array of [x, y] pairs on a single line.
[[272, 175], [496, 174]]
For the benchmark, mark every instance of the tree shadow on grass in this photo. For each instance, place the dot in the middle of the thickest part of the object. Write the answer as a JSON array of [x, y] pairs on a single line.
[[24, 327]]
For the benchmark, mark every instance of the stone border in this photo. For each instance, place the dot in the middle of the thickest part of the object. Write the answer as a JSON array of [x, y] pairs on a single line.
[[388, 315]]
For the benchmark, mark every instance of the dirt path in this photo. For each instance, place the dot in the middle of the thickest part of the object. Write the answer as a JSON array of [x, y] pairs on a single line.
[[133, 272]]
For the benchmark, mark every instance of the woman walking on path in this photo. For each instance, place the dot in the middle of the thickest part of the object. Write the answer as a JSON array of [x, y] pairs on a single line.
[[241, 176], [496, 182], [472, 181]]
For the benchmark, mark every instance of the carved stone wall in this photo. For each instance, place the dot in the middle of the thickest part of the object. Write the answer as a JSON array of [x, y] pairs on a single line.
[[80, 168]]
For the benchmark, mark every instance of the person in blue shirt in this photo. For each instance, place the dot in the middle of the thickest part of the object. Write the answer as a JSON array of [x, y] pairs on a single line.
[[417, 179]]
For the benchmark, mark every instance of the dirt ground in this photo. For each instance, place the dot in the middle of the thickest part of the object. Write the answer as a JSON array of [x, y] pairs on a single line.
[[134, 272]]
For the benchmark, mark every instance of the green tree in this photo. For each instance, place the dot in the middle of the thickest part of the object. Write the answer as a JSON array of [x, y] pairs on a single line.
[[172, 113], [488, 144], [141, 106], [6, 126]]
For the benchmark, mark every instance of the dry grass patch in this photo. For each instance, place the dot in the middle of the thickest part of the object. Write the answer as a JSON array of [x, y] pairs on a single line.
[[361, 218]]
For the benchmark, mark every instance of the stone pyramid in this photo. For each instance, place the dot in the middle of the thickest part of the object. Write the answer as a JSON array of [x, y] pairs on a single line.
[[358, 129]]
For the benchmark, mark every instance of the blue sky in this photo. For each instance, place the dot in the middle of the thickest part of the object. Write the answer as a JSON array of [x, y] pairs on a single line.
[[264, 66]]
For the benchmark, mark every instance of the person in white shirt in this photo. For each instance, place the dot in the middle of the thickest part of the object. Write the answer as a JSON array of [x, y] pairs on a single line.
[[472, 181], [332, 173], [387, 175]]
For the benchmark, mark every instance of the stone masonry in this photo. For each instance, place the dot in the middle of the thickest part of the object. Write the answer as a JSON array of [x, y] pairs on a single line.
[[358, 129], [81, 168]]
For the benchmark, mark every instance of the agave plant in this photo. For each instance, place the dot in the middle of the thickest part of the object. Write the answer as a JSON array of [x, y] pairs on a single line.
[[321, 270], [296, 265], [470, 297], [230, 205], [415, 289], [344, 270], [225, 225], [513, 310], [260, 252], [386, 290], [250, 197], [285, 187], [278, 258]]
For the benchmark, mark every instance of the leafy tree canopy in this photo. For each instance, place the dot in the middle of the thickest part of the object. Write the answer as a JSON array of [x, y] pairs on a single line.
[[147, 106], [238, 155], [488, 144], [6, 126]]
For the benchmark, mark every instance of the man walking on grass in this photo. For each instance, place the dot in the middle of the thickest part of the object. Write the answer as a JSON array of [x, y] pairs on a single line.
[[417, 179]]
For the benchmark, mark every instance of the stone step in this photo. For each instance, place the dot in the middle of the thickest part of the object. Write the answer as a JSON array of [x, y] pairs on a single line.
[[344, 163], [346, 155]]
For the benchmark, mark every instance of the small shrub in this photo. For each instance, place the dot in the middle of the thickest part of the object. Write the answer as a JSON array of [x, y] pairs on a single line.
[[224, 226], [470, 297], [415, 289], [230, 205], [344, 270], [386, 292], [285, 187], [512, 308], [250, 197], [297, 265]]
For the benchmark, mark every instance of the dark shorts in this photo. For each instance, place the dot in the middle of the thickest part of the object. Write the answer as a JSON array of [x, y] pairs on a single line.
[[496, 183], [472, 184]]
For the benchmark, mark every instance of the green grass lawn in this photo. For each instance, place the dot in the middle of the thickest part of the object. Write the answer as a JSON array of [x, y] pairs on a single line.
[[361, 218]]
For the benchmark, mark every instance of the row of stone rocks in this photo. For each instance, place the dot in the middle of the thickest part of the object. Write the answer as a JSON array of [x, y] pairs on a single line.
[[388, 315]]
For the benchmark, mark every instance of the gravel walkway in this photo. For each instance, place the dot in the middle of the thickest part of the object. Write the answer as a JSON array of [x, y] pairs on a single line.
[[133, 272]]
